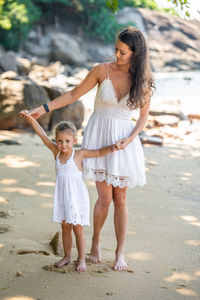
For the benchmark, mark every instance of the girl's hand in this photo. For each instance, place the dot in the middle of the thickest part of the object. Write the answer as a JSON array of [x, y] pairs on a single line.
[[114, 148], [25, 114], [123, 143], [34, 113]]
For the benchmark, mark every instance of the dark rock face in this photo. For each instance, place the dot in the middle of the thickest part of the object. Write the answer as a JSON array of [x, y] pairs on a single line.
[[17, 93], [174, 43]]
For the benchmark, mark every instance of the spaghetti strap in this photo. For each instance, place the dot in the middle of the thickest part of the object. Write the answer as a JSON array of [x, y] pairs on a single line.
[[107, 68]]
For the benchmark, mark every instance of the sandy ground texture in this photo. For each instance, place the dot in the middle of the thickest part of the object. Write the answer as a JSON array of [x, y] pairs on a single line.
[[163, 238]]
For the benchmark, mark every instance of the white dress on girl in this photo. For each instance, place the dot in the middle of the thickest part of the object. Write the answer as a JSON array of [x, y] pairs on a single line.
[[71, 199], [110, 122]]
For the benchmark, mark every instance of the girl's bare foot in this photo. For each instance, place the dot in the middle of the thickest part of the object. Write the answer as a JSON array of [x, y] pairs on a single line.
[[81, 267], [64, 261], [120, 263], [95, 255]]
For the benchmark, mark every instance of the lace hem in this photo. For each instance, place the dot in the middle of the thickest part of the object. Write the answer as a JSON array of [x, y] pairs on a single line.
[[74, 222], [121, 181]]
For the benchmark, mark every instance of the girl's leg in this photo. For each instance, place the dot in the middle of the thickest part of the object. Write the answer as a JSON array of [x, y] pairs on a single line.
[[67, 244], [81, 247], [99, 217], [120, 222]]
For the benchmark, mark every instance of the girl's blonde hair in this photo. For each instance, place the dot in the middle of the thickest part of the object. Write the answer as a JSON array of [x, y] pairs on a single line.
[[65, 126]]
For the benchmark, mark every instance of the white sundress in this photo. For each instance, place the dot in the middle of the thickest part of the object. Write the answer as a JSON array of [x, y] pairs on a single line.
[[71, 199], [110, 122]]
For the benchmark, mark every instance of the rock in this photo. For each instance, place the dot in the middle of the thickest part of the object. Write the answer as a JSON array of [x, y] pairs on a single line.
[[131, 15], [8, 61], [6, 214], [44, 73], [73, 113], [18, 273], [23, 65], [98, 51], [37, 50], [16, 95], [153, 140], [9, 75], [67, 50], [25, 251], [9, 142], [168, 111], [166, 120], [57, 244], [173, 42], [4, 228]]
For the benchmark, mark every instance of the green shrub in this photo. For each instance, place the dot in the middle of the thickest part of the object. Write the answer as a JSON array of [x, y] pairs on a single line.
[[16, 19]]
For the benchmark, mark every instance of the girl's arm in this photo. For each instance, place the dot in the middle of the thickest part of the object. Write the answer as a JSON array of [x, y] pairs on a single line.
[[73, 95], [140, 124], [40, 131], [100, 152]]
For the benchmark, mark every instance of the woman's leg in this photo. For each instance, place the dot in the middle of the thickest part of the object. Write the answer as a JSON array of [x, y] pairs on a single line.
[[99, 216], [120, 222], [81, 247], [67, 244]]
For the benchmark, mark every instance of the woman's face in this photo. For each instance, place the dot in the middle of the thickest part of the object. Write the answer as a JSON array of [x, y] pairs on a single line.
[[123, 53]]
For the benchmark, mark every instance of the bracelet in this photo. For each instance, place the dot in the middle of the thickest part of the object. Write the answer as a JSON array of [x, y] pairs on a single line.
[[46, 107]]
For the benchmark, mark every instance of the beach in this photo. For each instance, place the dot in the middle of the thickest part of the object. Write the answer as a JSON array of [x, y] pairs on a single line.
[[162, 246]]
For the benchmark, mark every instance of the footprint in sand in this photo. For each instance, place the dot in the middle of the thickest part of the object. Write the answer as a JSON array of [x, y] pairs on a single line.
[[6, 214], [70, 268], [24, 251], [4, 228]]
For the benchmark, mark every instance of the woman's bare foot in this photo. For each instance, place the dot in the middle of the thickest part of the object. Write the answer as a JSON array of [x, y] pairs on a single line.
[[120, 263], [95, 255], [64, 261], [81, 267]]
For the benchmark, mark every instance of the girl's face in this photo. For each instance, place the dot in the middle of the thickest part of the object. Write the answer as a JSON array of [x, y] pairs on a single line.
[[123, 53], [65, 141]]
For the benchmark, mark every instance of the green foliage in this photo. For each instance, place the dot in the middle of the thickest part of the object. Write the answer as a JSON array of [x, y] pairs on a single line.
[[183, 4], [16, 19], [96, 17], [172, 11]]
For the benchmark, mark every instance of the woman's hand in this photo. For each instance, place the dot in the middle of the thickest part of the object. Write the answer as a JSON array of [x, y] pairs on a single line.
[[26, 115], [34, 113], [123, 143]]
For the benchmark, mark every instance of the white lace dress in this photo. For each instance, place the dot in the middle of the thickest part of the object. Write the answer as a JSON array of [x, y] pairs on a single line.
[[110, 122], [71, 199]]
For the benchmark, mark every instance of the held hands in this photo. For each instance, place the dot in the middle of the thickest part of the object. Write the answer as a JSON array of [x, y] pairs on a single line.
[[34, 113], [123, 143], [26, 115]]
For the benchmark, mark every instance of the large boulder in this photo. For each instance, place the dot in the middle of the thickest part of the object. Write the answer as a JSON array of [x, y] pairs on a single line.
[[73, 113], [16, 95], [67, 49], [130, 15], [8, 60], [174, 43]]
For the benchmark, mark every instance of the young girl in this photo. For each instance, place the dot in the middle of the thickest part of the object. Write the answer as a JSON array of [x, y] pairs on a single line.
[[71, 199]]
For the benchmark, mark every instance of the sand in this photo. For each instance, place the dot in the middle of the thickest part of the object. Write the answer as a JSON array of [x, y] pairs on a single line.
[[163, 240]]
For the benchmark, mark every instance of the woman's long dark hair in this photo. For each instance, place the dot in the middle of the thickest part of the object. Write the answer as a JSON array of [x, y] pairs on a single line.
[[142, 79]]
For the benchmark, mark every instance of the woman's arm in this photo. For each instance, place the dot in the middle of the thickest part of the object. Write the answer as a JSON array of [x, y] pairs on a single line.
[[73, 95], [40, 131], [140, 124]]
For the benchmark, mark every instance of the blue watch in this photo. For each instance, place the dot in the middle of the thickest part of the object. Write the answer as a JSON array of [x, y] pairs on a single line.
[[46, 107]]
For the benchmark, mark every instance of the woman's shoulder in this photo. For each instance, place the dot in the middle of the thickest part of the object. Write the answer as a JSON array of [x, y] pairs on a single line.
[[101, 69]]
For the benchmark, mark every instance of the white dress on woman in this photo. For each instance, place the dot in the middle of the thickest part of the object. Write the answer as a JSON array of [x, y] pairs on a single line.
[[110, 122], [71, 199]]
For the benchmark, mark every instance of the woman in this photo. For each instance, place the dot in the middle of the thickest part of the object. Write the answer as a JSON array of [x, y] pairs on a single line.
[[123, 85]]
